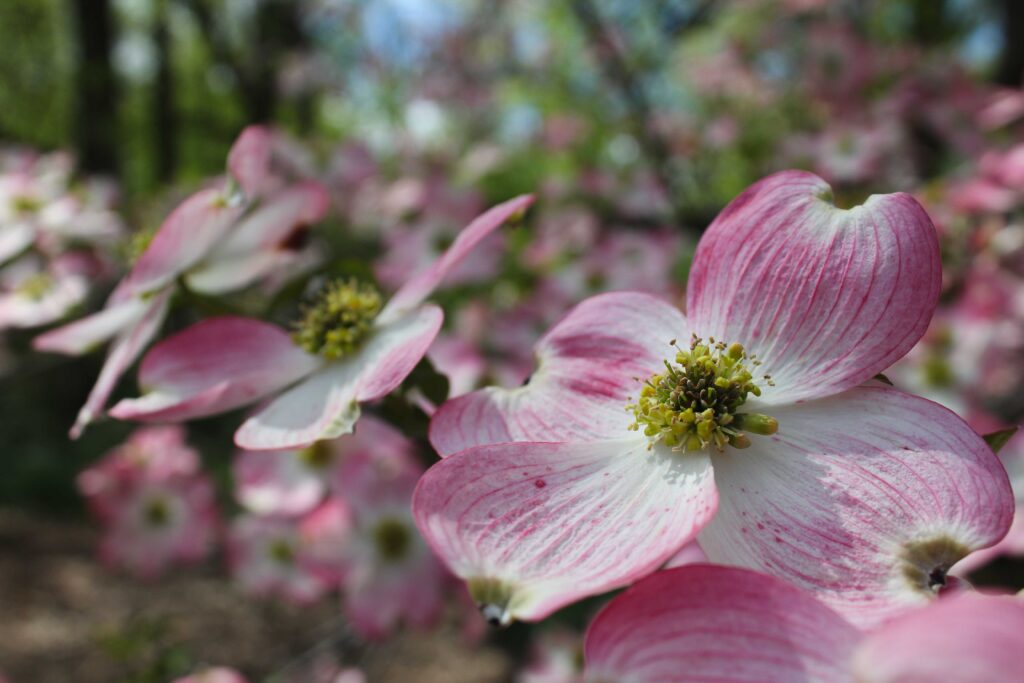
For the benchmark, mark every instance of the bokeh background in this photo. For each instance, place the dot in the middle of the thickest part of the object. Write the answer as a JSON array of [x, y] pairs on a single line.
[[633, 122]]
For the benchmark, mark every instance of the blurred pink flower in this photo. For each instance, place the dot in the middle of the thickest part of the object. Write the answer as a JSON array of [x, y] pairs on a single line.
[[156, 507], [390, 576], [294, 482], [215, 675], [269, 557]]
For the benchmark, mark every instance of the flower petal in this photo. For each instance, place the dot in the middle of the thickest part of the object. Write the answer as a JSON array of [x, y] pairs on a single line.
[[185, 237], [14, 239], [535, 526], [216, 365], [326, 405], [826, 298], [276, 483], [704, 623], [249, 161], [416, 290], [587, 367], [866, 498], [258, 243], [84, 335], [967, 638], [123, 352]]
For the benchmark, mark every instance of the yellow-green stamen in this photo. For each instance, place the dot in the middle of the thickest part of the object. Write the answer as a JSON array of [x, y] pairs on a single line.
[[281, 551], [695, 402], [35, 286], [26, 204], [318, 456], [340, 319], [157, 512], [392, 539]]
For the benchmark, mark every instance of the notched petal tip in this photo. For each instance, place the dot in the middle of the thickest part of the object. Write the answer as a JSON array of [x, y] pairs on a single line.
[[924, 564], [493, 597]]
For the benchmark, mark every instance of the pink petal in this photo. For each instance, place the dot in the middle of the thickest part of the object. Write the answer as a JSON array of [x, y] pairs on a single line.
[[86, 334], [326, 405], [123, 352], [553, 523], [708, 623], [215, 675], [588, 365], [276, 482], [256, 245], [967, 638], [185, 237], [249, 161], [837, 501], [416, 290], [216, 365], [826, 298]]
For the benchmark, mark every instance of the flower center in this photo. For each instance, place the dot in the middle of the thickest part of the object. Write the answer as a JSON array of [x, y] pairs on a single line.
[[281, 551], [318, 456], [26, 204], [392, 539], [35, 286], [157, 512], [339, 320], [695, 402]]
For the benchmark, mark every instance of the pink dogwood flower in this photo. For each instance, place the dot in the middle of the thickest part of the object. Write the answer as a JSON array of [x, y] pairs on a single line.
[[294, 482], [733, 625], [268, 556], [156, 506], [390, 576], [349, 348], [752, 423], [222, 238]]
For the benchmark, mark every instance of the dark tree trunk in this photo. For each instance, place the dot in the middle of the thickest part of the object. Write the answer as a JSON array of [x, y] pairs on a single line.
[[165, 120], [1011, 63], [96, 103]]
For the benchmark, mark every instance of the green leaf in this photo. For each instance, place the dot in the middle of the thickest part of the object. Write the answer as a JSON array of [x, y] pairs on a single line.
[[996, 440]]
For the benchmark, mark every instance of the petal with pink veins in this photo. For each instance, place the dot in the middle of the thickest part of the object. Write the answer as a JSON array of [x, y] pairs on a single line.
[[866, 499], [185, 237], [127, 347], [326, 405], [216, 365], [722, 624], [416, 290], [967, 638], [826, 298], [588, 366], [535, 526]]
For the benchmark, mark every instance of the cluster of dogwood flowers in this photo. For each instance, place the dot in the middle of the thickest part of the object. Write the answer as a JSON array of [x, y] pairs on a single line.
[[755, 425], [56, 237]]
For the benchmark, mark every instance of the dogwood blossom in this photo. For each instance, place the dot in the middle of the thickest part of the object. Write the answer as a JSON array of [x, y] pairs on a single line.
[[155, 506], [349, 347], [752, 422], [390, 577], [222, 238], [707, 622]]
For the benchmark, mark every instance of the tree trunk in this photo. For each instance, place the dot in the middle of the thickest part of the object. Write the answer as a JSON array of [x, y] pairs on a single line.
[[165, 120], [1011, 64], [96, 103]]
